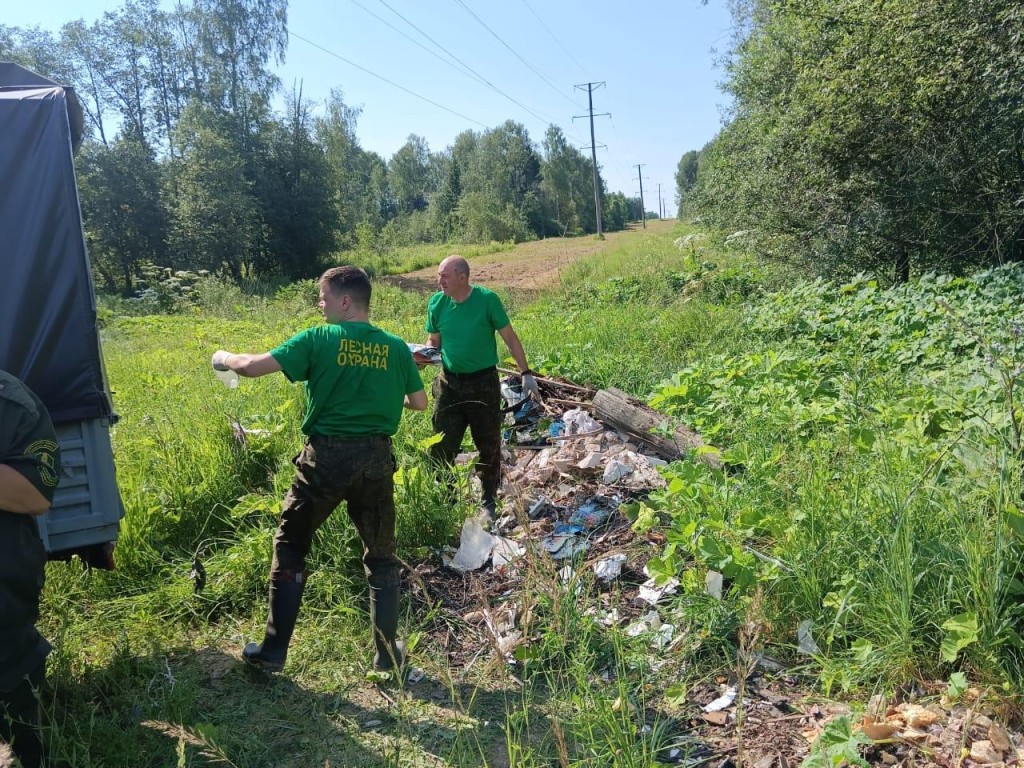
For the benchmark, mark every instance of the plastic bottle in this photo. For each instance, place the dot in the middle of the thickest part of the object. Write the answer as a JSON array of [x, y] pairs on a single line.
[[228, 378]]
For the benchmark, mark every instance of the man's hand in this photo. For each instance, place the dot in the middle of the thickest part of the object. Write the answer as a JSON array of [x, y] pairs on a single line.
[[530, 387], [219, 360]]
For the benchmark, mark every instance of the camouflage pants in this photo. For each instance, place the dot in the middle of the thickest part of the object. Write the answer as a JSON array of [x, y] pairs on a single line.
[[330, 470], [475, 402]]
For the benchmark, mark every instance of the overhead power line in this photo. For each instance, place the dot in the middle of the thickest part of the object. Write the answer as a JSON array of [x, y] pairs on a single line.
[[557, 41], [514, 53], [466, 69], [384, 79]]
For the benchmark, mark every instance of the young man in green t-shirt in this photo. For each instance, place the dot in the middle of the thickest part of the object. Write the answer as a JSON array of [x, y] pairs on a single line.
[[29, 473], [461, 321], [358, 378]]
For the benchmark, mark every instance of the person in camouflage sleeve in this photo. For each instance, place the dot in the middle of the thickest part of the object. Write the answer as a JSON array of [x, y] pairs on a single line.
[[29, 472], [461, 321]]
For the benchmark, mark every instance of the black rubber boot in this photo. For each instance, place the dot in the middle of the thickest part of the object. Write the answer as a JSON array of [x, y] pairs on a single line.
[[390, 653], [285, 599], [19, 720]]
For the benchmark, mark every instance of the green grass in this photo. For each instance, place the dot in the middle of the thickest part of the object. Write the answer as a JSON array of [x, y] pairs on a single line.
[[872, 487]]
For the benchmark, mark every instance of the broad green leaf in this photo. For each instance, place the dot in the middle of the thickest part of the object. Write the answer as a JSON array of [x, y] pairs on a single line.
[[961, 631]]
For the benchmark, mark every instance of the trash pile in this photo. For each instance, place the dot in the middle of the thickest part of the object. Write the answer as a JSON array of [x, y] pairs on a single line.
[[566, 476], [782, 725]]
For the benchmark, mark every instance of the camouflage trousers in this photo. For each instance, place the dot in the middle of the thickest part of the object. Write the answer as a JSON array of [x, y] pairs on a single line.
[[472, 401], [329, 470]]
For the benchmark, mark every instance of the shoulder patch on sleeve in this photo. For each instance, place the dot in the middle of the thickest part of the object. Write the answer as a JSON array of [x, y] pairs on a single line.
[[45, 452]]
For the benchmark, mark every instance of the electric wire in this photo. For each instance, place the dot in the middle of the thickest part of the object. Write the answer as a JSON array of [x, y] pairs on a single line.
[[618, 170], [559, 42], [533, 69], [466, 69], [384, 79]]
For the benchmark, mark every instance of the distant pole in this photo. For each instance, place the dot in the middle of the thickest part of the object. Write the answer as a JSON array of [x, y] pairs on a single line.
[[640, 178], [593, 151], [661, 214]]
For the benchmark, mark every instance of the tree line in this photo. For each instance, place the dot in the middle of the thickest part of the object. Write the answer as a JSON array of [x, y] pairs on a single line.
[[188, 165], [870, 136]]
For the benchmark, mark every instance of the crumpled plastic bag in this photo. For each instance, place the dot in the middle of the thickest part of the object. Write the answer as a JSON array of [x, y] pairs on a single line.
[[577, 421], [475, 546]]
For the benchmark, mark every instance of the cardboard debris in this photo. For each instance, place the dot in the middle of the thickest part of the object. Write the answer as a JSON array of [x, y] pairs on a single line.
[[917, 716], [983, 752]]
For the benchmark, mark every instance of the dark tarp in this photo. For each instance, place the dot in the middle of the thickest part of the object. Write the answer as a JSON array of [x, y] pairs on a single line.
[[48, 335]]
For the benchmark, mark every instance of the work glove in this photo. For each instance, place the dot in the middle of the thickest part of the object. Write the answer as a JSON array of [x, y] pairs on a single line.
[[219, 360], [530, 387]]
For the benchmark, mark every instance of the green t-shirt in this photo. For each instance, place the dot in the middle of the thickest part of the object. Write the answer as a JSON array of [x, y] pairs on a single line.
[[356, 375], [467, 329]]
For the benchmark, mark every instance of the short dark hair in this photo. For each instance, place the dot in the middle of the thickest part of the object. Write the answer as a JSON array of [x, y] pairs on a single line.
[[351, 280]]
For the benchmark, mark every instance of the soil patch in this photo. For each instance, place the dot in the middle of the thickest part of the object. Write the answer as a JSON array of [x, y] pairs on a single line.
[[530, 267]]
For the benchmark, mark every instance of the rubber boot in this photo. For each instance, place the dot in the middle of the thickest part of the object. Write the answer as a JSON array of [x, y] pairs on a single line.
[[390, 653], [20, 720], [285, 599]]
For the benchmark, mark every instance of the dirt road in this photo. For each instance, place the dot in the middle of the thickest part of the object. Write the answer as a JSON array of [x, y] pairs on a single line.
[[529, 267]]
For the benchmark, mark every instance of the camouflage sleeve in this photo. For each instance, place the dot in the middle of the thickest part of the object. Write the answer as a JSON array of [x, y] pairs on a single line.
[[28, 442]]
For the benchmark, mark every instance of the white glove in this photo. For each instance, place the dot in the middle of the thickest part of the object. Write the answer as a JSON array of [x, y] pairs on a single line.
[[530, 387], [219, 360]]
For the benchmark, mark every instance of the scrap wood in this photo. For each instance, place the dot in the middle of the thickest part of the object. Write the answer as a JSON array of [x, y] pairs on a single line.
[[573, 403], [550, 382], [619, 409]]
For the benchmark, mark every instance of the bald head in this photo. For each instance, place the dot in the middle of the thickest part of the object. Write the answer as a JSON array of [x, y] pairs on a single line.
[[453, 278], [458, 265]]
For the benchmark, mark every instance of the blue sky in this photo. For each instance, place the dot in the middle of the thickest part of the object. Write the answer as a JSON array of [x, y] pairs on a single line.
[[657, 60]]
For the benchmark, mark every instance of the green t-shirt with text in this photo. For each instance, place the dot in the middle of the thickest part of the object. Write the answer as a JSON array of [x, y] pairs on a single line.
[[356, 376], [467, 329]]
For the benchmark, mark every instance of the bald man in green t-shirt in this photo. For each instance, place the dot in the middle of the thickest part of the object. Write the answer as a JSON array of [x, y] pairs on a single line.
[[461, 321], [358, 378]]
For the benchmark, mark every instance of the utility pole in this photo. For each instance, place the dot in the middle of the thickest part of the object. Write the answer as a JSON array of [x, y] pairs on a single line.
[[639, 177], [593, 150], [661, 213]]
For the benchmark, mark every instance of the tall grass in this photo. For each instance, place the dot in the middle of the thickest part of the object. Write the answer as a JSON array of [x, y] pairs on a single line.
[[872, 488]]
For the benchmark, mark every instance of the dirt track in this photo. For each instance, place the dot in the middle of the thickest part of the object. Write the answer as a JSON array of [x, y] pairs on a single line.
[[530, 266]]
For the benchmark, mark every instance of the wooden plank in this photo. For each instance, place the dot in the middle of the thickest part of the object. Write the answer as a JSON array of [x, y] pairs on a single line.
[[645, 425]]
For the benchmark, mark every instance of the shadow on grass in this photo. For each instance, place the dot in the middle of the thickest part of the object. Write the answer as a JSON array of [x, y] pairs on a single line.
[[195, 708]]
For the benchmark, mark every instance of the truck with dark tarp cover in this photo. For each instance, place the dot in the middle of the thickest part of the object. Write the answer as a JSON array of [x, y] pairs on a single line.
[[48, 333]]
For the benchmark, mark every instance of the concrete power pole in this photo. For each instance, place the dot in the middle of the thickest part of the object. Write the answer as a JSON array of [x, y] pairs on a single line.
[[661, 212], [639, 176], [593, 150]]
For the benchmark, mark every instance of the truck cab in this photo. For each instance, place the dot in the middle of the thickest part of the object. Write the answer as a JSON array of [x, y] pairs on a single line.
[[48, 333]]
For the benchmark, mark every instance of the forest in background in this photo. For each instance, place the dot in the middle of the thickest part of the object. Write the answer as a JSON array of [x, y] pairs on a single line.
[[884, 136], [187, 164]]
